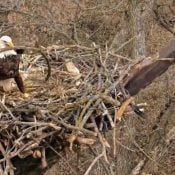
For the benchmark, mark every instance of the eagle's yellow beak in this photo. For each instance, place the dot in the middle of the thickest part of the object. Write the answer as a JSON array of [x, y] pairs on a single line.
[[10, 44]]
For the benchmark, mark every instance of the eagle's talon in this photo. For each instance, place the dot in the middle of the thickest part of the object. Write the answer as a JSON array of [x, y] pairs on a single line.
[[26, 95]]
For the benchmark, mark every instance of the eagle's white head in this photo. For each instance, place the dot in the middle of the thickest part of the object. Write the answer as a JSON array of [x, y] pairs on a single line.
[[6, 41]]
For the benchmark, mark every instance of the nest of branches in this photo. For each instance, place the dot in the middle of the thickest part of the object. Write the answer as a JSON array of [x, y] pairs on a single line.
[[87, 92], [75, 105]]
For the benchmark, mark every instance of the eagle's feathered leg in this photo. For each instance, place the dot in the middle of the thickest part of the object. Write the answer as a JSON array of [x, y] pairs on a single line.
[[3, 98], [6, 84], [20, 84]]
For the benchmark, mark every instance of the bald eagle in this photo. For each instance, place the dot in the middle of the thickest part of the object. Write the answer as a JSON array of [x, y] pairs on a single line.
[[9, 65]]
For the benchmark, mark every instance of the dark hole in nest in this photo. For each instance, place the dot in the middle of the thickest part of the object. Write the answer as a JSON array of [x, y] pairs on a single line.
[[34, 165], [27, 165], [27, 116]]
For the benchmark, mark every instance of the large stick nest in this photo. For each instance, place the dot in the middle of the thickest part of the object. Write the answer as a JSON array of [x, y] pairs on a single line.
[[87, 93]]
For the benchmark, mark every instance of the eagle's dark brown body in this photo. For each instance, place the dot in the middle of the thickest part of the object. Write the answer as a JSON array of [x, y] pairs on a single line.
[[9, 68]]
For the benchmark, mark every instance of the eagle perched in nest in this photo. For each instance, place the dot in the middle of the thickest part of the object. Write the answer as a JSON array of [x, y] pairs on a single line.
[[9, 65]]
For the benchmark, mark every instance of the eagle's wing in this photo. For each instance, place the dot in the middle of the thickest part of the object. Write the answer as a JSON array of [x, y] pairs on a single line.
[[145, 71], [143, 74], [19, 82]]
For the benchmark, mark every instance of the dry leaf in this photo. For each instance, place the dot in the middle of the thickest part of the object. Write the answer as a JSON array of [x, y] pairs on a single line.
[[72, 68]]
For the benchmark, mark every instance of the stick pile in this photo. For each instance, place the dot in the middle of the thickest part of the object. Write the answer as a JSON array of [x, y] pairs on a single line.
[[88, 92]]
